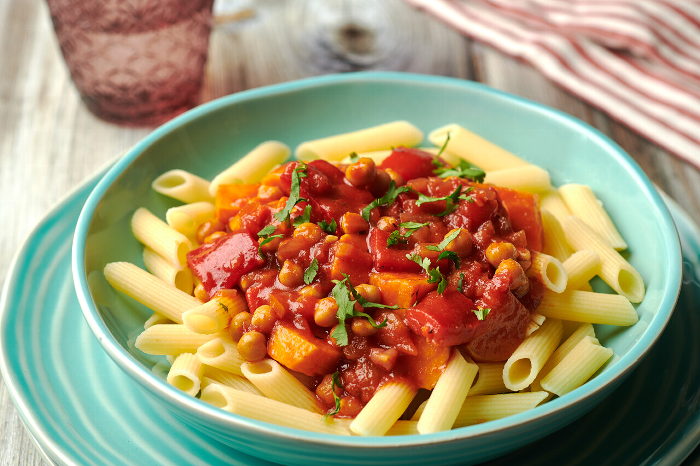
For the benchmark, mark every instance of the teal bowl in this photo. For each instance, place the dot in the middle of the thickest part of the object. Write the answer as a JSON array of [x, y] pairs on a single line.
[[211, 137]]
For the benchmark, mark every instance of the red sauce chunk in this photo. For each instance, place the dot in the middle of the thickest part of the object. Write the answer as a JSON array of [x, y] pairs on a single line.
[[444, 260]]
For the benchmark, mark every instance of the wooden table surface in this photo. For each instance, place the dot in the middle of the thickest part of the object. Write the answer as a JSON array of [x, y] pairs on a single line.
[[49, 142]]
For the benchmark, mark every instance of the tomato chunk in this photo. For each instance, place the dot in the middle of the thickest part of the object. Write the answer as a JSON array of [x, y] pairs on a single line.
[[444, 320], [410, 163], [220, 264], [524, 213]]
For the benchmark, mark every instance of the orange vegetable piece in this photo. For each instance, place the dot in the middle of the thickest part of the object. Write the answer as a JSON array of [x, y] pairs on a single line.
[[524, 213], [301, 351], [227, 196], [401, 289]]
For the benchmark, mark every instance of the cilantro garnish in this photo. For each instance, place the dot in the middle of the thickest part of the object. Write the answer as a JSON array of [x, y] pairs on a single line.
[[310, 273], [298, 173], [436, 161], [463, 170], [343, 291], [481, 313], [395, 237], [304, 217], [334, 383], [328, 228], [354, 157], [460, 283], [453, 256], [434, 274], [452, 200], [386, 199], [223, 306], [267, 237]]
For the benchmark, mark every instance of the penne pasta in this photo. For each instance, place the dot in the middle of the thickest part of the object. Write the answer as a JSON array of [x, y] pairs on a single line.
[[221, 353], [170, 339], [448, 395], [383, 410], [186, 373], [183, 186], [554, 238], [187, 218], [484, 408], [150, 291], [576, 367], [276, 383], [210, 317], [164, 269], [475, 149], [381, 137], [580, 267], [586, 306], [267, 410], [526, 178], [583, 330], [526, 361], [163, 239], [253, 166], [549, 271], [614, 269], [489, 379], [552, 202], [156, 319], [214, 375], [584, 204]]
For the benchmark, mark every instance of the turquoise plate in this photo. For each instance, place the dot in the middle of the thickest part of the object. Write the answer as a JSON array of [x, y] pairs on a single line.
[[81, 409]]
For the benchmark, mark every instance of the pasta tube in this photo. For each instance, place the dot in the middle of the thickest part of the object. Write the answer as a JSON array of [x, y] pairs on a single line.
[[384, 409], [163, 239], [183, 186], [253, 166], [527, 360]]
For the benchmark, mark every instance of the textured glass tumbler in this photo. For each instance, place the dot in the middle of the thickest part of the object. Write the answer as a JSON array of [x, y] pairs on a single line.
[[135, 62]]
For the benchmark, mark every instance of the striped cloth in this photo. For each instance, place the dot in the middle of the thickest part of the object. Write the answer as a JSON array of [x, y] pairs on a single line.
[[637, 60]]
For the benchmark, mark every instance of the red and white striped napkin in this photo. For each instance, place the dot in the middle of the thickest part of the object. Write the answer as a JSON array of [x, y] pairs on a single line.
[[637, 60]]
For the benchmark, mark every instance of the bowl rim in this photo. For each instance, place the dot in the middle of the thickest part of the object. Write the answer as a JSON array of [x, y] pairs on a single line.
[[215, 416]]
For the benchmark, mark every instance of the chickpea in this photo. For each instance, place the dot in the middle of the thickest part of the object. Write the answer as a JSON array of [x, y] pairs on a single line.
[[380, 185], [289, 248], [515, 275], [326, 313], [331, 239], [350, 406], [352, 223], [214, 236], [497, 252], [239, 325], [325, 390], [208, 227], [269, 193], [362, 327], [309, 231], [395, 177], [291, 274], [272, 246], [200, 293], [362, 172], [313, 290], [370, 292], [387, 224], [384, 358], [252, 346], [263, 319], [462, 244]]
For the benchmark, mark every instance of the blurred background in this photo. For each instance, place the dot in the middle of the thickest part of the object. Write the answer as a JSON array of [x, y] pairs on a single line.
[[50, 140]]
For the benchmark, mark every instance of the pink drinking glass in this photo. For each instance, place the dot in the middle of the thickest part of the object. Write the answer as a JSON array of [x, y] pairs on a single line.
[[135, 62]]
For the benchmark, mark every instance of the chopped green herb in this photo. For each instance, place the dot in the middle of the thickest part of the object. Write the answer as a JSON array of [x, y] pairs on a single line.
[[460, 283], [452, 200], [354, 157], [294, 199], [396, 237], [328, 228], [334, 383], [436, 161], [304, 217], [223, 306], [443, 244], [481, 313], [451, 255], [463, 170], [434, 274], [386, 199], [266, 238], [310, 273], [267, 231], [343, 291]]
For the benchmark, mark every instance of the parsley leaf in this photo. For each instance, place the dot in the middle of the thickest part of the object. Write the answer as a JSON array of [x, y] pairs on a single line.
[[334, 383], [460, 283], [266, 238], [310, 273], [328, 228], [303, 218], [481, 313], [386, 199], [434, 274], [354, 157], [395, 237], [452, 200], [223, 306], [443, 244], [463, 170], [451, 255], [342, 292], [436, 161], [298, 173]]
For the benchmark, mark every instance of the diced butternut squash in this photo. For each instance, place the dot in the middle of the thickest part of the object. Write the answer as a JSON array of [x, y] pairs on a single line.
[[401, 289], [228, 195], [349, 259], [301, 351]]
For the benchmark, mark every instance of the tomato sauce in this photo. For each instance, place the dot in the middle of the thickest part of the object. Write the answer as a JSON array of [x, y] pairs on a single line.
[[484, 308]]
